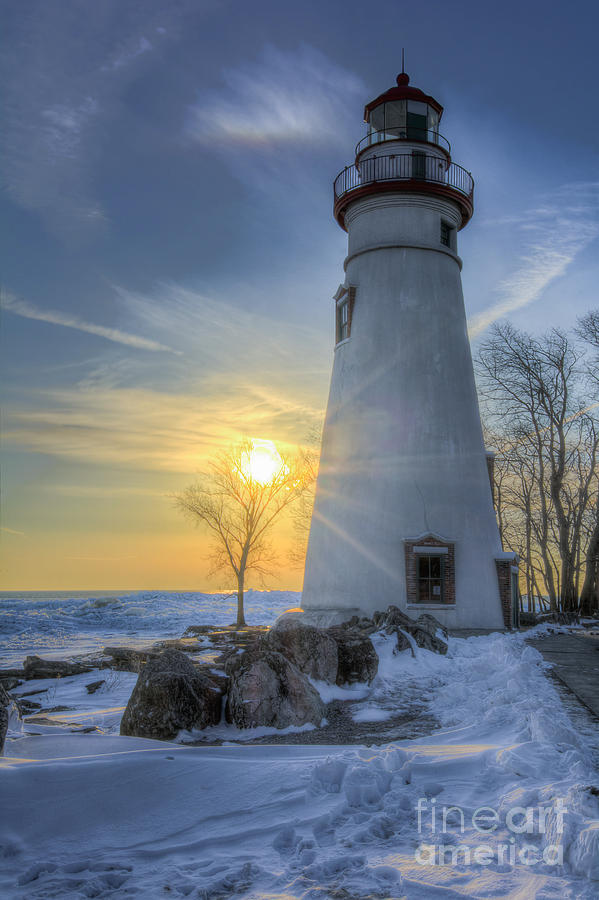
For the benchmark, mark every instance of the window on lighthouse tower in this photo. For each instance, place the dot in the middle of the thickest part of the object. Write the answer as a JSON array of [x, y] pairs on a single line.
[[446, 233], [345, 303], [343, 314]]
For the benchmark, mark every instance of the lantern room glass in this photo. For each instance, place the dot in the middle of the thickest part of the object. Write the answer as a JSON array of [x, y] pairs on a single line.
[[403, 120]]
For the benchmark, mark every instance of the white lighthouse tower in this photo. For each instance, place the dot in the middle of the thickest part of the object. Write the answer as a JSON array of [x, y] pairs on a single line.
[[404, 510]]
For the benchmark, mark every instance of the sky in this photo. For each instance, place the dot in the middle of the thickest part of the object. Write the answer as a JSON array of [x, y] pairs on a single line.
[[169, 254]]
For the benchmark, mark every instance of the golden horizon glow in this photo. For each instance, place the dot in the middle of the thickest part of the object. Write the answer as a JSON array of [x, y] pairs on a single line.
[[262, 462]]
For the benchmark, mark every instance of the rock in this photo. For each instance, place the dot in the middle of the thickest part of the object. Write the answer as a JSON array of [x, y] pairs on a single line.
[[187, 645], [221, 636], [426, 631], [3, 726], [94, 686], [404, 642], [171, 694], [8, 710], [430, 634], [197, 629], [268, 689], [219, 678], [392, 619], [126, 659], [9, 683], [396, 621], [12, 673], [311, 649], [36, 667], [227, 661], [432, 625], [362, 623], [26, 707], [357, 658]]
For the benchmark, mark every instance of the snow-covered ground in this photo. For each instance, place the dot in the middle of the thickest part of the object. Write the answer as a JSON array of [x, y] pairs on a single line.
[[98, 815]]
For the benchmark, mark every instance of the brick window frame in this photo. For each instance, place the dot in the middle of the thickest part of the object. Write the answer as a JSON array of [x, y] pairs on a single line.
[[507, 567], [425, 545], [344, 301]]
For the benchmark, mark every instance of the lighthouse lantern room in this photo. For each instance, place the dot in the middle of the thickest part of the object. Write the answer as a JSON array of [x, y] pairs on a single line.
[[403, 511]]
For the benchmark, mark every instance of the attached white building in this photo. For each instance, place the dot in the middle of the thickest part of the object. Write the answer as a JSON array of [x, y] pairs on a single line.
[[404, 509]]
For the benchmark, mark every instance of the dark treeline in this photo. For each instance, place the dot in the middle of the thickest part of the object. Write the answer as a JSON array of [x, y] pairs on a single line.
[[540, 407]]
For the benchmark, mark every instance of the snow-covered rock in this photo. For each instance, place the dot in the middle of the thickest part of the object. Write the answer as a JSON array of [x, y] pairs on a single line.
[[4, 701], [268, 689], [426, 631], [171, 695], [3, 726], [430, 634], [10, 717]]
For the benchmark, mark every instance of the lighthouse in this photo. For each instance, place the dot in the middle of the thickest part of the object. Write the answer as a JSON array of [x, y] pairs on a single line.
[[403, 511]]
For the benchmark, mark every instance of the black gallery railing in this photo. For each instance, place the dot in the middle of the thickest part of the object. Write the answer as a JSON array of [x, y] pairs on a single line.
[[403, 167], [403, 133]]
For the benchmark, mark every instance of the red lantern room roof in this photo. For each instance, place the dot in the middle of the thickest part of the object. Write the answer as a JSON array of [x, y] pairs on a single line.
[[403, 91]]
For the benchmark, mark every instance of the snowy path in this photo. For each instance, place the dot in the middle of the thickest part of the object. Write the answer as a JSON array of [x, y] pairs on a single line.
[[97, 815]]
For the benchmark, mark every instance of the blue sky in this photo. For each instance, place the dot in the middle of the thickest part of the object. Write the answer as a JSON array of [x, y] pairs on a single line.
[[169, 251]]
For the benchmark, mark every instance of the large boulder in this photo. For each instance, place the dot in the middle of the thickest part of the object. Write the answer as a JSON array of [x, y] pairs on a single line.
[[170, 695], [311, 649], [267, 689], [357, 660]]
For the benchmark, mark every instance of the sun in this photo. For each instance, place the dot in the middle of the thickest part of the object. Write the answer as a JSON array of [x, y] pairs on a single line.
[[262, 462]]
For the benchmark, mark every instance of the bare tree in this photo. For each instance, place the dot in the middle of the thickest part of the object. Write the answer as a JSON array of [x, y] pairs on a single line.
[[239, 507], [533, 390], [588, 330]]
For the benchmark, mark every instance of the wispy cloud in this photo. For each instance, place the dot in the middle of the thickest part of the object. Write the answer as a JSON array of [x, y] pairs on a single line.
[[242, 373], [223, 335], [130, 52], [11, 303], [282, 98], [13, 531], [99, 492], [552, 236], [153, 430]]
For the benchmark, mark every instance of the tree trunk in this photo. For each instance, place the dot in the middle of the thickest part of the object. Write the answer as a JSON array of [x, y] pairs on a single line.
[[589, 596], [240, 611]]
